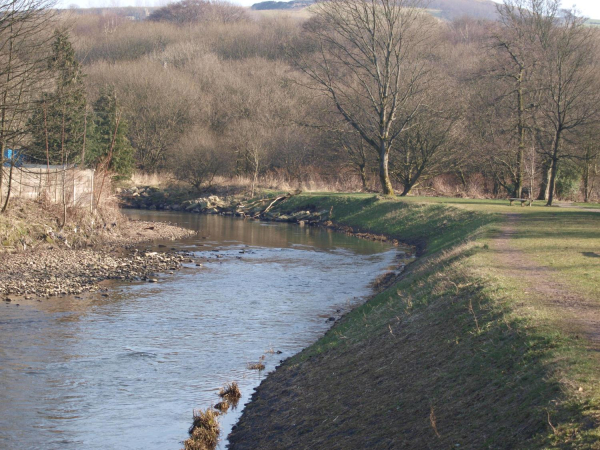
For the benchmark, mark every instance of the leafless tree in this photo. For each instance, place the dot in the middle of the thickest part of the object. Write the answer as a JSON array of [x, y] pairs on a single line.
[[356, 151], [570, 88], [252, 144], [371, 60], [24, 45], [200, 157], [425, 150], [522, 29]]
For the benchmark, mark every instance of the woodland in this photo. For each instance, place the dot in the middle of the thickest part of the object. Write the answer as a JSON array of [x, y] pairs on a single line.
[[346, 95]]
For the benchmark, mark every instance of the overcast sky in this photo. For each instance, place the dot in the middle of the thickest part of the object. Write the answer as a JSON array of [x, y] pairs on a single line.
[[589, 8]]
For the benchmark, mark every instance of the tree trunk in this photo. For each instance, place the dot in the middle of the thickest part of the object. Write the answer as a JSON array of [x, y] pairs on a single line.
[[586, 182], [363, 177], [10, 176], [554, 167], [384, 176], [521, 129], [1, 168], [552, 183], [407, 188], [463, 179], [545, 182]]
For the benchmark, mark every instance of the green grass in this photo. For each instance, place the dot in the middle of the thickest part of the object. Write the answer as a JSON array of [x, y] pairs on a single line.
[[430, 226], [458, 336], [588, 205]]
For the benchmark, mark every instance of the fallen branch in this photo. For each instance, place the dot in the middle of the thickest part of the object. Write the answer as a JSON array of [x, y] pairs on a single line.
[[278, 199]]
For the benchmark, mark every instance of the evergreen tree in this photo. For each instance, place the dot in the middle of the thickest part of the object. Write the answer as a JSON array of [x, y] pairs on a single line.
[[58, 122], [109, 147]]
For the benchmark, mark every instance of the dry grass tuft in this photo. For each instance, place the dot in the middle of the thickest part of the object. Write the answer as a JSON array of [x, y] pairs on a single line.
[[151, 179], [231, 392], [222, 406], [256, 366], [204, 432]]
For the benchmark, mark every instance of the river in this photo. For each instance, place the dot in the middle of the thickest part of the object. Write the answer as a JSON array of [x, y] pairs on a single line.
[[126, 370]]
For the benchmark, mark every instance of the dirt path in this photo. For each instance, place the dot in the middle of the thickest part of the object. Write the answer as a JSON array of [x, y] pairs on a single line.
[[575, 314], [572, 206]]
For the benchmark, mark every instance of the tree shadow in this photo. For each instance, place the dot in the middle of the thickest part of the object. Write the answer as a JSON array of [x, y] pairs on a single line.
[[591, 254]]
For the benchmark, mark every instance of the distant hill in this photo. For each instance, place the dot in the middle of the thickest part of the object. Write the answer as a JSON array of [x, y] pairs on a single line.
[[270, 5], [445, 9]]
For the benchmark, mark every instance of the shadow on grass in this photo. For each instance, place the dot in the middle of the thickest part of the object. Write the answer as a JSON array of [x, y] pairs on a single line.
[[591, 254], [566, 225], [437, 344]]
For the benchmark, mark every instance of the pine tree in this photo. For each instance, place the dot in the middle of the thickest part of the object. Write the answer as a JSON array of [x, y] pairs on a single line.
[[57, 124], [109, 147]]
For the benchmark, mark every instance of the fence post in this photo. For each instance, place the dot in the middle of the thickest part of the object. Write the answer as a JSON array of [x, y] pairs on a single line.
[[92, 192]]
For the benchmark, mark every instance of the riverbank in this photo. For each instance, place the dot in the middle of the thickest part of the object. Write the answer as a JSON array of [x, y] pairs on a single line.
[[39, 259], [488, 340]]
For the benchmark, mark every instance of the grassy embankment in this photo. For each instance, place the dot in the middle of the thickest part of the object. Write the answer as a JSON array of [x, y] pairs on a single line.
[[460, 353]]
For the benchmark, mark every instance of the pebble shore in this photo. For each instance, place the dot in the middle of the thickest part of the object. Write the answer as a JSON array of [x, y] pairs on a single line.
[[53, 270]]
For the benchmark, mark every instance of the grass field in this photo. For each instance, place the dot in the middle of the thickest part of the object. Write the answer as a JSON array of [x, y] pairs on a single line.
[[466, 351]]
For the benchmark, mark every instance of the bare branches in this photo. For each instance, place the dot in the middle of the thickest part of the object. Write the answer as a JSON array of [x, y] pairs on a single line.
[[372, 64]]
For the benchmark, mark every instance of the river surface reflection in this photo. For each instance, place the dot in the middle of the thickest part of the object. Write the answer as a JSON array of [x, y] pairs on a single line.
[[127, 370]]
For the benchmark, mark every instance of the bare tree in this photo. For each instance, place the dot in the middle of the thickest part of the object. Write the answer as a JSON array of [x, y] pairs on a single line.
[[570, 88], [589, 161], [24, 42], [523, 27], [356, 151], [252, 146], [425, 150], [199, 159], [371, 61]]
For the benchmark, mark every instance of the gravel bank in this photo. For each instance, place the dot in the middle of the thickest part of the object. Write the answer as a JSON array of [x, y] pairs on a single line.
[[55, 269]]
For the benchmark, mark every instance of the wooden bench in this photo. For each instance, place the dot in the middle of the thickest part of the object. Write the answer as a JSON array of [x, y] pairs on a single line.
[[522, 200]]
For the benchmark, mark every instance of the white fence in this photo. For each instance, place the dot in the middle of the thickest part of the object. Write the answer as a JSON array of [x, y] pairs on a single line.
[[57, 184]]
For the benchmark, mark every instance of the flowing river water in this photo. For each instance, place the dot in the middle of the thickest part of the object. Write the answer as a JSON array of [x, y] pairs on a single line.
[[125, 371]]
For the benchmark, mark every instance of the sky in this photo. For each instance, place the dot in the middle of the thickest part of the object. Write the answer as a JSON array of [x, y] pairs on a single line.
[[588, 8]]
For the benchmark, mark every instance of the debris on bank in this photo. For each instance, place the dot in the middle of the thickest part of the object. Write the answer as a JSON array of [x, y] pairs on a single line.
[[151, 198]]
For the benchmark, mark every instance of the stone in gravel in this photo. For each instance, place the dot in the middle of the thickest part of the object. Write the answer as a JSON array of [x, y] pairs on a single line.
[[152, 280]]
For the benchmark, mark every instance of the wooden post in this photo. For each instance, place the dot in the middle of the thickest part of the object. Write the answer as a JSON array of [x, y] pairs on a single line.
[[92, 192]]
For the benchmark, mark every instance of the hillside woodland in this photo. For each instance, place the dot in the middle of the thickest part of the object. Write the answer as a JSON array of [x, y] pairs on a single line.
[[377, 95]]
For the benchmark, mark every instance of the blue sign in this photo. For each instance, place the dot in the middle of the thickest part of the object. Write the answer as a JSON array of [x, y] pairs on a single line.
[[10, 154]]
